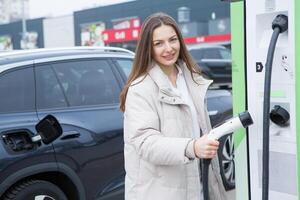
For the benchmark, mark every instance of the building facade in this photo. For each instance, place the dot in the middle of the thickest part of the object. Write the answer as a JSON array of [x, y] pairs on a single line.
[[58, 31], [201, 21], [11, 35]]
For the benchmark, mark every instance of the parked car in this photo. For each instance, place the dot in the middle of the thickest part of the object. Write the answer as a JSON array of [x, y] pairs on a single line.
[[80, 87], [214, 62]]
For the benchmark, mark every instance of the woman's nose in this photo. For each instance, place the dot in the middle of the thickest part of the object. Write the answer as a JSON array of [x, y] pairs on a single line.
[[168, 46]]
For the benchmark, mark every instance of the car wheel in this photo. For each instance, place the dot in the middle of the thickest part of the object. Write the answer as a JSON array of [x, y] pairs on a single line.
[[226, 162], [35, 190]]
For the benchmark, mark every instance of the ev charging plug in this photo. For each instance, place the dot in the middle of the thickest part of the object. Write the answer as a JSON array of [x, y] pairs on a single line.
[[281, 22], [243, 120]]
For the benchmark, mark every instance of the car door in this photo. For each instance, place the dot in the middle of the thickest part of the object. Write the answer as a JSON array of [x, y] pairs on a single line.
[[18, 117], [84, 96]]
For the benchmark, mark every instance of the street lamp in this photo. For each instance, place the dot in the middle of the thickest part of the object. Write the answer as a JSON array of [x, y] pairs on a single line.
[[24, 39]]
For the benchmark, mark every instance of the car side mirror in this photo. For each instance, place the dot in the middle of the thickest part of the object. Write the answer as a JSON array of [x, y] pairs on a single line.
[[48, 130]]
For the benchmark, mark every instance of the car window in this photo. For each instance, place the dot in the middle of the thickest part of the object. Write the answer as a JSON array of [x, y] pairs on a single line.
[[225, 53], [197, 54], [88, 82], [49, 92], [17, 91], [211, 53], [126, 65]]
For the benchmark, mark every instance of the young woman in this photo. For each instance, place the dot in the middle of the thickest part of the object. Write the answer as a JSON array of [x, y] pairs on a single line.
[[165, 119]]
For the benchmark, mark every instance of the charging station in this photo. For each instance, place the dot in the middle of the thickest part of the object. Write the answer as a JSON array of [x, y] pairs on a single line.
[[251, 32]]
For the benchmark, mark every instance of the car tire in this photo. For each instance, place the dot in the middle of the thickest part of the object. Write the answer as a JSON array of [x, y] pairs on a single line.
[[35, 190], [226, 162]]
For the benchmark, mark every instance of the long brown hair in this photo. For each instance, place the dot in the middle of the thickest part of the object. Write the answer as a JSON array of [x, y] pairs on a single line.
[[143, 54]]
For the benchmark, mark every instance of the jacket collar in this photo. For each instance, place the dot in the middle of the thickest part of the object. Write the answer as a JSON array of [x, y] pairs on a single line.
[[166, 93], [160, 79]]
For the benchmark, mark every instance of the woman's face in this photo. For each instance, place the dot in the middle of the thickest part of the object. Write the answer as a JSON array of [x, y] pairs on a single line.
[[166, 46]]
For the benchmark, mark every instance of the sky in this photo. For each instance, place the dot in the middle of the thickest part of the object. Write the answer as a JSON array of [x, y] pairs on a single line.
[[53, 8]]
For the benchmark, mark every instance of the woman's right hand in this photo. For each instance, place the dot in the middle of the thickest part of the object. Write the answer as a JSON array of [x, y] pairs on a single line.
[[205, 147]]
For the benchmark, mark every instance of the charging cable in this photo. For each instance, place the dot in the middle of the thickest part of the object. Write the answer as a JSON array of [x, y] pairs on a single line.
[[279, 25]]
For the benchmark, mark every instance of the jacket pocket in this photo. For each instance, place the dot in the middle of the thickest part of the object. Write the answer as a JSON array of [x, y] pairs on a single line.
[[147, 172], [173, 176]]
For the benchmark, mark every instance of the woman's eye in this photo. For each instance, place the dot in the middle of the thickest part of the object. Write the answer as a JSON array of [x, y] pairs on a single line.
[[157, 44], [174, 39]]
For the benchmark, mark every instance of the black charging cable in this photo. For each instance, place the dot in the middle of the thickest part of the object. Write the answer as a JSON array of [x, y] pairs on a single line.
[[279, 25], [205, 171]]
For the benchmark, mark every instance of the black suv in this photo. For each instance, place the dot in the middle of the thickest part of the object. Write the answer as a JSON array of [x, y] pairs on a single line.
[[214, 62], [80, 87]]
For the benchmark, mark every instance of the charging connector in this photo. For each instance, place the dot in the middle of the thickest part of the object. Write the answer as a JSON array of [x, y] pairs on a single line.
[[280, 21]]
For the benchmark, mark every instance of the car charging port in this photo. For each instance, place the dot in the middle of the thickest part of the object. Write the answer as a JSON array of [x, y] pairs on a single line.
[[18, 141]]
